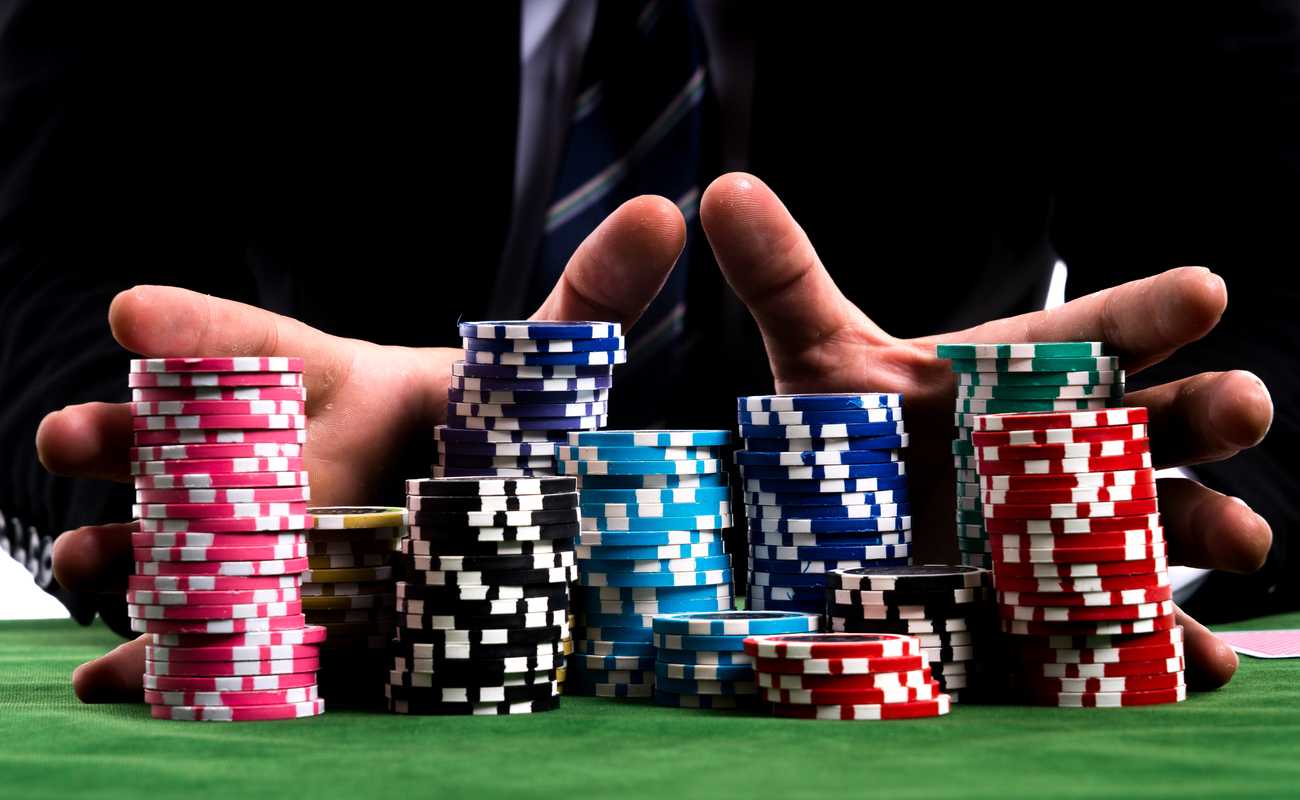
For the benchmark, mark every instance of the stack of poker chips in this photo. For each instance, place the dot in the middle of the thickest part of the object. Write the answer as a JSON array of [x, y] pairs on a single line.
[[1079, 560], [348, 590], [221, 497], [947, 609], [654, 508], [484, 596], [701, 661], [846, 676], [521, 388], [1016, 378], [825, 488]]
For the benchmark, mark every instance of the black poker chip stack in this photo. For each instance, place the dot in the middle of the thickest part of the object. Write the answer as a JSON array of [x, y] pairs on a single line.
[[949, 608], [483, 603]]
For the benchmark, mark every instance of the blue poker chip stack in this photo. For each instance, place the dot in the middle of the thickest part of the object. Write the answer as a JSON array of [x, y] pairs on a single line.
[[700, 655], [521, 388], [654, 507], [825, 488]]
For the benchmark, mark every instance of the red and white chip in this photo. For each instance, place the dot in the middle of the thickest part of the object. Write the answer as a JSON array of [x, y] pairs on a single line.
[[296, 393], [233, 611], [265, 698], [150, 380], [1122, 508], [918, 709], [198, 511], [173, 408], [1077, 480], [1072, 526], [294, 522], [1070, 555], [1110, 417], [216, 421], [1089, 599], [230, 568], [313, 708], [218, 364], [311, 634], [1113, 583], [1057, 435], [218, 626], [282, 494], [171, 452], [233, 436], [1048, 496], [1040, 452], [217, 466], [248, 683], [227, 480], [155, 598], [1071, 541], [1052, 466]]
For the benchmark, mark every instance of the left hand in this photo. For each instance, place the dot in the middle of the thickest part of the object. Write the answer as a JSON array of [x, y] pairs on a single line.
[[817, 340]]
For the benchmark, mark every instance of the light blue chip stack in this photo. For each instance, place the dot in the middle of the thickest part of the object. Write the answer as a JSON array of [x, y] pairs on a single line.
[[825, 488], [655, 505], [521, 388], [701, 660]]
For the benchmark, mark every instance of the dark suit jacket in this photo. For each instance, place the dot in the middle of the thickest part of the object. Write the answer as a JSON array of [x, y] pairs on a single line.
[[353, 167]]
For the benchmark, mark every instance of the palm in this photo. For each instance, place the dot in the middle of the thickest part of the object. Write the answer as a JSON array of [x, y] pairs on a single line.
[[819, 341]]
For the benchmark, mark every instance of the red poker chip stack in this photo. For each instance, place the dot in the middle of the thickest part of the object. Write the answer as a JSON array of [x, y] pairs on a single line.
[[846, 676], [1079, 557], [221, 499]]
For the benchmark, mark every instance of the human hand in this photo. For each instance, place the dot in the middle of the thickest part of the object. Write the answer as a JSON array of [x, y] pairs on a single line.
[[363, 400], [817, 340]]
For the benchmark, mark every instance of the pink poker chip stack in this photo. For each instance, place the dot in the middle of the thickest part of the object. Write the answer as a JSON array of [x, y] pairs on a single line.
[[221, 498]]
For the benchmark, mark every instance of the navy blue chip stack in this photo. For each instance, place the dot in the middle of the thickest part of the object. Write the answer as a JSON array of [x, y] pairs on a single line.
[[655, 505], [947, 608], [825, 488], [483, 602], [520, 389], [701, 660]]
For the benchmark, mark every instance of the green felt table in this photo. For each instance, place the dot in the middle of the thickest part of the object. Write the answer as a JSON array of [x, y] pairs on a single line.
[[1241, 741]]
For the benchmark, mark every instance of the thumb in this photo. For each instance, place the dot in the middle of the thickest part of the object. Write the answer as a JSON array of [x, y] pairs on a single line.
[[774, 269], [621, 266]]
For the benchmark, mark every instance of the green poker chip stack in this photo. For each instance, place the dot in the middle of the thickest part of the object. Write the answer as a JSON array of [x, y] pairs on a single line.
[[1017, 378]]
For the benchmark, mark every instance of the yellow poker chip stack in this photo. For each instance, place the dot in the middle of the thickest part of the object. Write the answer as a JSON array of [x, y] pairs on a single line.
[[349, 590]]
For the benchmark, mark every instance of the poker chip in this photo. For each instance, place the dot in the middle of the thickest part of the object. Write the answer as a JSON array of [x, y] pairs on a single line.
[[830, 525], [169, 452], [215, 466], [219, 627], [205, 364], [221, 480], [829, 512], [821, 430], [302, 694], [1091, 391], [493, 503], [473, 709], [250, 713], [700, 654], [205, 612], [528, 345], [525, 533], [524, 397], [818, 402]]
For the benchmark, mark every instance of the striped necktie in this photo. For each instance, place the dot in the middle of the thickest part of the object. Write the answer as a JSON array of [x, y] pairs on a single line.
[[638, 126]]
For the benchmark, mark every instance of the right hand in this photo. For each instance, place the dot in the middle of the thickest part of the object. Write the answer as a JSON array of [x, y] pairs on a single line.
[[364, 400]]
